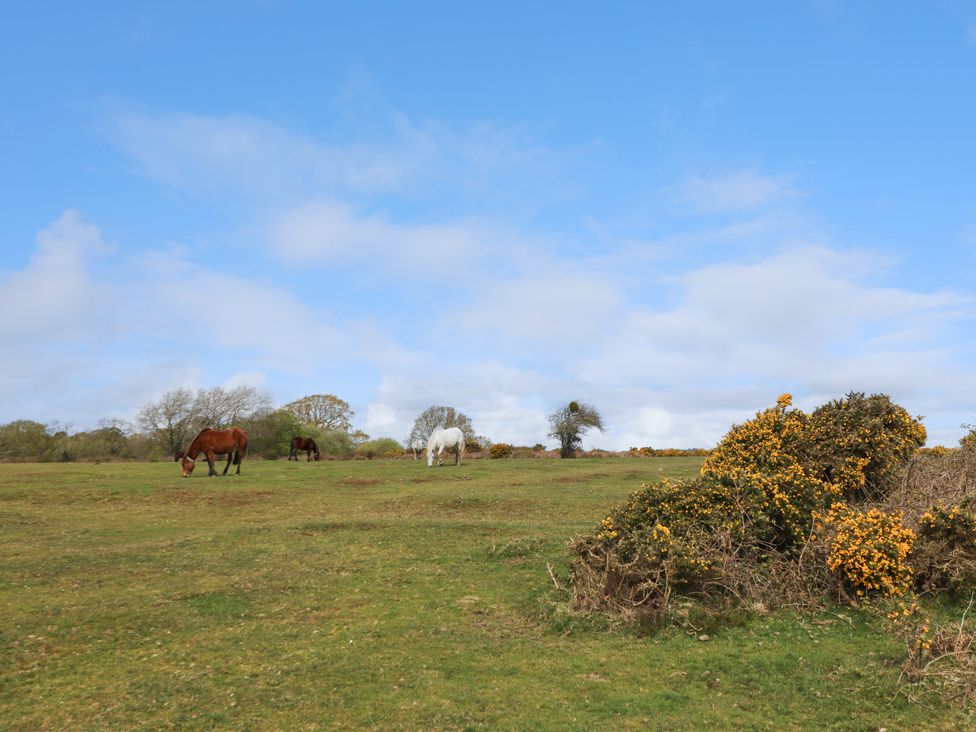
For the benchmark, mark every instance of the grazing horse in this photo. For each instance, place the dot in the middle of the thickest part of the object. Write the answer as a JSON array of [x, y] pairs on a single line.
[[451, 438], [232, 443], [308, 445]]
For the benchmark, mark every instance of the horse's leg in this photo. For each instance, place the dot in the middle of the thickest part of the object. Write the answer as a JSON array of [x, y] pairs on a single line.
[[308, 455], [457, 455], [440, 456], [230, 456], [210, 463]]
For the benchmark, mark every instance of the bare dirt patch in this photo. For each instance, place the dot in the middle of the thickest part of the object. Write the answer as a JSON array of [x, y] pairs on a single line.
[[314, 527], [186, 497], [359, 481]]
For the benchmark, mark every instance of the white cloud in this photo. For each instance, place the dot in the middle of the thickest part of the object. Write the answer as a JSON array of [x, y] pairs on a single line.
[[740, 191], [257, 379], [556, 306], [381, 420], [372, 150], [54, 297], [325, 232], [201, 154]]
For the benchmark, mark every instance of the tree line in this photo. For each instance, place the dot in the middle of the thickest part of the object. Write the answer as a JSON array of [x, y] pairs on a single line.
[[166, 425]]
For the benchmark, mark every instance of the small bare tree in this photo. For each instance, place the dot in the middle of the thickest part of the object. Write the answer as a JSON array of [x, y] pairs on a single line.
[[170, 420], [570, 423], [219, 408], [178, 415]]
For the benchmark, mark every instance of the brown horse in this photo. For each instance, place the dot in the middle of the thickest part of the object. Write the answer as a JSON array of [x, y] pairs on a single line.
[[304, 443], [232, 443]]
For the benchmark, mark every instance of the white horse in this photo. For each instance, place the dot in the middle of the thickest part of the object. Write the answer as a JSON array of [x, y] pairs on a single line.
[[451, 438]]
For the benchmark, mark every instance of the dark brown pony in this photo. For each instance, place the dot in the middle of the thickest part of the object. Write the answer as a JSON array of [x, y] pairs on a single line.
[[232, 443], [304, 443]]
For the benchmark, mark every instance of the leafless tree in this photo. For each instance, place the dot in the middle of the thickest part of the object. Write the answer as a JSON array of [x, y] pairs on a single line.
[[220, 408], [170, 420], [179, 414]]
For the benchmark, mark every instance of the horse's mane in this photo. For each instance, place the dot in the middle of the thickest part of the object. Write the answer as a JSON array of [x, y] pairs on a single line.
[[199, 435]]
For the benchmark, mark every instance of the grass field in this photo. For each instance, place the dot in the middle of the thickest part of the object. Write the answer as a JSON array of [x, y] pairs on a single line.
[[383, 595]]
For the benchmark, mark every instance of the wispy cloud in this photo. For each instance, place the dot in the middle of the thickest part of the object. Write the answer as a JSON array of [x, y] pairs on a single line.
[[373, 150], [331, 233], [736, 192], [198, 153]]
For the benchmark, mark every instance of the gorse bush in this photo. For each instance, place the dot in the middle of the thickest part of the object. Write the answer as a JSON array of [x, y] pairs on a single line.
[[868, 550], [669, 537], [744, 525], [500, 450], [858, 444], [944, 555], [767, 462], [380, 447], [648, 451], [953, 525]]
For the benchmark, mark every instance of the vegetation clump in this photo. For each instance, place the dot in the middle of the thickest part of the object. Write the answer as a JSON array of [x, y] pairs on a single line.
[[568, 425], [500, 450], [859, 444], [788, 505], [944, 555], [868, 550]]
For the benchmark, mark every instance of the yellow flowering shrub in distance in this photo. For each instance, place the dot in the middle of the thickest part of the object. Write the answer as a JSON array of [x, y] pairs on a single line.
[[500, 450], [868, 550]]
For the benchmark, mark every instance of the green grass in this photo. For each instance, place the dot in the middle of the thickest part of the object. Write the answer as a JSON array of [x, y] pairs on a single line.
[[381, 595]]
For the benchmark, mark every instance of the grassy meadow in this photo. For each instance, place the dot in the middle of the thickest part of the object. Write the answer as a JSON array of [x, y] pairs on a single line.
[[382, 594]]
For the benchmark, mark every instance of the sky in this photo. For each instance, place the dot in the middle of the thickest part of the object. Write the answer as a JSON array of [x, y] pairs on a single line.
[[672, 211]]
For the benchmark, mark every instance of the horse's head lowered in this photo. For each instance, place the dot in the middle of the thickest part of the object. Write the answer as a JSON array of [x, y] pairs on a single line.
[[188, 465]]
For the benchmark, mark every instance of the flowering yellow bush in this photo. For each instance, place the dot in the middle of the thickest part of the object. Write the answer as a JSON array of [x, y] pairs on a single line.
[[859, 443], [868, 550], [500, 450], [951, 524], [760, 493], [764, 459]]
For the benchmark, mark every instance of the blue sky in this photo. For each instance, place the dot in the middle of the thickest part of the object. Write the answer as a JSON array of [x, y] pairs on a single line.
[[675, 214]]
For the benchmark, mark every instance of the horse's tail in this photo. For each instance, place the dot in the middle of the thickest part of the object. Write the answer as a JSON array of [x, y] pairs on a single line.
[[241, 450]]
